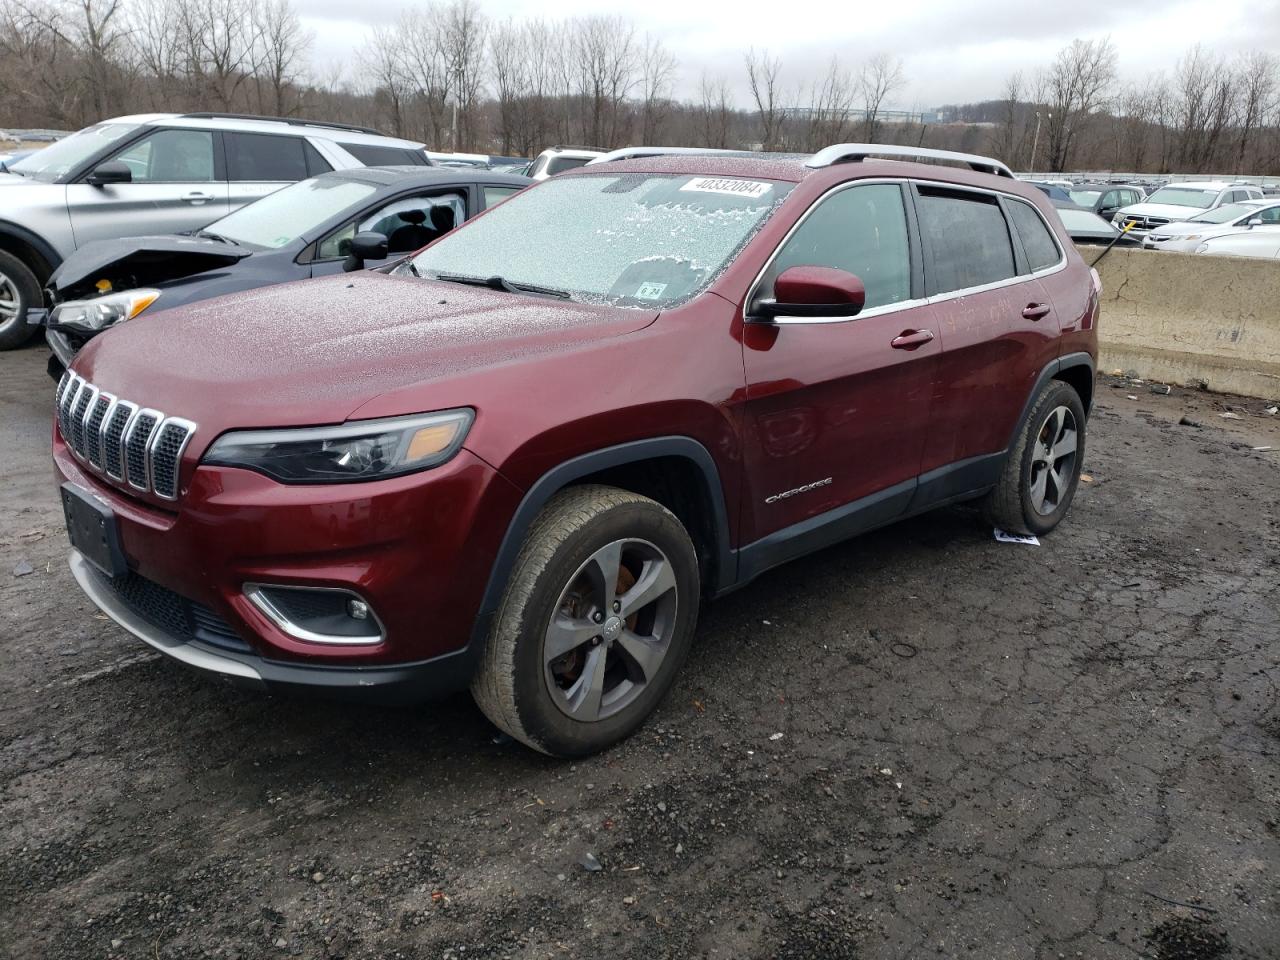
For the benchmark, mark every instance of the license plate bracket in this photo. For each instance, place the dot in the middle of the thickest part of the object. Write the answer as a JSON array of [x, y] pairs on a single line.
[[92, 529]]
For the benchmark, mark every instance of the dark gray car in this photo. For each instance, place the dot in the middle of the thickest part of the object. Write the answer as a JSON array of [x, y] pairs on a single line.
[[343, 220]]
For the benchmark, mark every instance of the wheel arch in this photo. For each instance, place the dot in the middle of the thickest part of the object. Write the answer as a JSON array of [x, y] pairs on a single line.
[[1074, 369], [30, 248], [678, 472]]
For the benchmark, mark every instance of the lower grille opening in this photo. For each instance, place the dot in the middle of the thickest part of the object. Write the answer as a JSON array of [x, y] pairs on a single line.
[[175, 614]]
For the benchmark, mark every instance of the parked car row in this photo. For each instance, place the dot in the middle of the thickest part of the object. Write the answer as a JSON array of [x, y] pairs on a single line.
[[519, 458]]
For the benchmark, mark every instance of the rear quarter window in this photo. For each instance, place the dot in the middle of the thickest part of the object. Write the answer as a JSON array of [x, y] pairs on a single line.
[[372, 155], [1037, 240]]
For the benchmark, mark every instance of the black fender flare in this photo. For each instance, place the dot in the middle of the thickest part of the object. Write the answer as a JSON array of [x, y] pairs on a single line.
[[561, 476], [35, 242], [1051, 370]]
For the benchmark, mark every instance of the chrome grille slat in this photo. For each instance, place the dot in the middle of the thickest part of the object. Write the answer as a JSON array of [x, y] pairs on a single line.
[[139, 447]]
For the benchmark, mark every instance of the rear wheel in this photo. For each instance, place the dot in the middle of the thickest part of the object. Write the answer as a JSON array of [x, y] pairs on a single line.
[[596, 620], [1042, 471], [19, 290]]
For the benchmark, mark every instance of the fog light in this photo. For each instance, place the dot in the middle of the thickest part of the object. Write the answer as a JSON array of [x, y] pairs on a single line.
[[317, 614], [357, 610]]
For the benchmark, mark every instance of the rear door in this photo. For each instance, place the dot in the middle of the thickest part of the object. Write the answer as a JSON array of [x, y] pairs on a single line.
[[837, 411], [262, 163], [178, 185], [998, 324]]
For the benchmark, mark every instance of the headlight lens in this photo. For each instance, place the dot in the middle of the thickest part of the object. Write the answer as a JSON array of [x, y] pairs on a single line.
[[91, 316], [358, 450]]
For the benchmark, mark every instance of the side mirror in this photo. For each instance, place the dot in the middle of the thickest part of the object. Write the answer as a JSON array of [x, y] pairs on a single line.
[[813, 292], [365, 246], [113, 171], [1255, 222]]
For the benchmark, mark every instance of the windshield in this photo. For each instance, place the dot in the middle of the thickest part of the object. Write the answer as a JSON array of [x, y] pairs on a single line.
[[1085, 198], [1223, 214], [59, 159], [280, 218], [1183, 197], [1083, 220], [632, 239]]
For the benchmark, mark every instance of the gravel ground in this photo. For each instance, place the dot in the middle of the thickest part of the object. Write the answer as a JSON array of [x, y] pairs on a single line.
[[920, 743]]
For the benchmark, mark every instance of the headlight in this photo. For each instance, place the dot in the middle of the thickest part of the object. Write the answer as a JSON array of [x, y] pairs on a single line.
[[1203, 248], [358, 450], [90, 316]]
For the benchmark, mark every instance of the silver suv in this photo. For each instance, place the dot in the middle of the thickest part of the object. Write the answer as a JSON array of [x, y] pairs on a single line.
[[157, 173]]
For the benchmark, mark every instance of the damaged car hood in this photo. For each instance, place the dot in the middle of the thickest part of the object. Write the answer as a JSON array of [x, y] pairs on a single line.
[[316, 351], [143, 260]]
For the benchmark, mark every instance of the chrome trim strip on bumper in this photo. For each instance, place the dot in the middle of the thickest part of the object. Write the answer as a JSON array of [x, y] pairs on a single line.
[[117, 611]]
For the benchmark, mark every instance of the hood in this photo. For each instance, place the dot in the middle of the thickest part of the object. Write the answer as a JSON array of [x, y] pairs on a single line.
[[1170, 210], [11, 179], [314, 351], [140, 262]]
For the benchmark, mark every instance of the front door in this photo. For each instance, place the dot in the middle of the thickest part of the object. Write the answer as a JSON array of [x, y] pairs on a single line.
[[176, 187], [837, 411]]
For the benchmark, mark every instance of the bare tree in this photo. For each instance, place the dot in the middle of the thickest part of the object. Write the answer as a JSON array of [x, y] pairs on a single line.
[[280, 59], [879, 78], [463, 47], [1006, 139], [381, 61], [716, 113], [657, 70], [604, 52], [1077, 85], [1257, 85], [762, 76], [830, 107]]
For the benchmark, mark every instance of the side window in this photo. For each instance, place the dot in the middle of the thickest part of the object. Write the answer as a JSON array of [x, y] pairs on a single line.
[[968, 238], [261, 157], [372, 155], [337, 244], [316, 164], [862, 230], [1037, 240], [1268, 215], [413, 222], [495, 195], [171, 156], [1130, 196]]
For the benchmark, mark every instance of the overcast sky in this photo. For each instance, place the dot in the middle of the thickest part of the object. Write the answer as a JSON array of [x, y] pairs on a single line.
[[952, 52]]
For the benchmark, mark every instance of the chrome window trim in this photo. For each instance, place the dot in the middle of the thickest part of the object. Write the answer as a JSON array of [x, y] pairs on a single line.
[[262, 603], [154, 439], [145, 486]]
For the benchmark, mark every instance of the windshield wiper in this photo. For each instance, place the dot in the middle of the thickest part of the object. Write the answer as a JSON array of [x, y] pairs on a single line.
[[217, 236], [502, 283]]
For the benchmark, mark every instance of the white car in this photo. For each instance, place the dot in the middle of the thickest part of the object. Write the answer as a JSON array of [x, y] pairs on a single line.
[[1258, 243], [555, 160], [1241, 217], [1176, 202]]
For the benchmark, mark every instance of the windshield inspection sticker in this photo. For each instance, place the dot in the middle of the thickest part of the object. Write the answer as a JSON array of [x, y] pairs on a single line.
[[650, 290], [734, 188]]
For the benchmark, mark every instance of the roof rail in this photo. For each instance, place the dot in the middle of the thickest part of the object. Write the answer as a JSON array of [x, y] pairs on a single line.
[[292, 121], [633, 153], [857, 152], [577, 146]]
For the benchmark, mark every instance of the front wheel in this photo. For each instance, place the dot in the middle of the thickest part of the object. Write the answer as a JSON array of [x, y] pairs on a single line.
[[1040, 476], [595, 622], [19, 290]]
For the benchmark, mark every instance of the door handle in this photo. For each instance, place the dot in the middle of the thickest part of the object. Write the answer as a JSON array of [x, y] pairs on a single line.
[[910, 339], [1034, 311], [196, 197]]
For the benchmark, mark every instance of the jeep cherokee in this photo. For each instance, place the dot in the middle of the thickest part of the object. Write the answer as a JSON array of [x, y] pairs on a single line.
[[520, 459]]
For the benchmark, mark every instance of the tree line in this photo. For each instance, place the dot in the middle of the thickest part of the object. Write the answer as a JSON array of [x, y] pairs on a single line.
[[447, 74]]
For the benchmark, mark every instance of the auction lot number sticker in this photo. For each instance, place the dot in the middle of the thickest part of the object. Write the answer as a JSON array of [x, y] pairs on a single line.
[[753, 189]]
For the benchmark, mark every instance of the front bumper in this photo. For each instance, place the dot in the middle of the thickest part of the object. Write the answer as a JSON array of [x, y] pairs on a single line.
[[417, 548], [400, 683]]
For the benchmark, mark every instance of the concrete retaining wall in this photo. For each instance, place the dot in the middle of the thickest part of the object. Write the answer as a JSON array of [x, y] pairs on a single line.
[[1178, 317]]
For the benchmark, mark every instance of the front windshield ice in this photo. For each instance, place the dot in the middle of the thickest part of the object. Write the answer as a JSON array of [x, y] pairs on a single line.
[[631, 239], [59, 159], [280, 218], [1085, 198], [1183, 197], [1223, 214]]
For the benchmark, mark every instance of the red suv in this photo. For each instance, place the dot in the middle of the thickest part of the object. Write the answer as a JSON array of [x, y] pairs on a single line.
[[520, 459]]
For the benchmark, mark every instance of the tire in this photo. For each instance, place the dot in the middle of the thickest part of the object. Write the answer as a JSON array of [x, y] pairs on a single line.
[[1037, 486], [535, 676], [18, 286]]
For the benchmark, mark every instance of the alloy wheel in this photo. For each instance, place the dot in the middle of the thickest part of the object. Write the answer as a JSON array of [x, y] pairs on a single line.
[[1053, 460], [610, 630], [10, 302]]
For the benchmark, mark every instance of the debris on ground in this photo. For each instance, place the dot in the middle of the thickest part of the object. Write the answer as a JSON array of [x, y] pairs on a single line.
[[1188, 422], [590, 863], [1163, 389], [23, 569], [1003, 537]]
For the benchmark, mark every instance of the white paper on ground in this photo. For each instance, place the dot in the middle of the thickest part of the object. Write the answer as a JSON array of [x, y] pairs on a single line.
[[1015, 538]]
